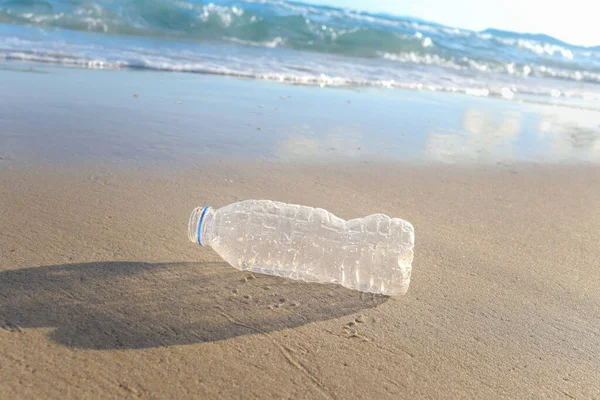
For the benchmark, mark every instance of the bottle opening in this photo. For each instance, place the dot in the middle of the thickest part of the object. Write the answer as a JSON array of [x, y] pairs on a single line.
[[195, 225]]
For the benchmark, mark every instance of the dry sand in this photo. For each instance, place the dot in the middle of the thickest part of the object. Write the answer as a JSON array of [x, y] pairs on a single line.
[[101, 294]]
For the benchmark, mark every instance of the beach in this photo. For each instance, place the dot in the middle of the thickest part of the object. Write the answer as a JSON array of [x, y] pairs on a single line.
[[102, 294]]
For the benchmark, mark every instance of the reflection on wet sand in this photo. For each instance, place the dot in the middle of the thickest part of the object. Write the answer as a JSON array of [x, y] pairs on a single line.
[[486, 137], [304, 144], [559, 134], [571, 135]]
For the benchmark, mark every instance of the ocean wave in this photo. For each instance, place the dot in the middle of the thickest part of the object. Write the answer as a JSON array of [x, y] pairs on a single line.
[[509, 68], [329, 46], [326, 71], [539, 48], [299, 26], [276, 42]]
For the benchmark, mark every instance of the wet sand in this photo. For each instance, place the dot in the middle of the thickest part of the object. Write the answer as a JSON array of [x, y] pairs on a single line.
[[102, 295]]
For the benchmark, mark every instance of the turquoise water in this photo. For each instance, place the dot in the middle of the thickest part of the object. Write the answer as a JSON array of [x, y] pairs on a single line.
[[294, 42]]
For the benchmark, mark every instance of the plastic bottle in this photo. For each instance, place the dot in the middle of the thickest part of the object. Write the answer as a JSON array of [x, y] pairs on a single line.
[[370, 254]]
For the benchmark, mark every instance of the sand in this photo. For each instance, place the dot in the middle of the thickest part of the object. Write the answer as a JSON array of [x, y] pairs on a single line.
[[102, 295]]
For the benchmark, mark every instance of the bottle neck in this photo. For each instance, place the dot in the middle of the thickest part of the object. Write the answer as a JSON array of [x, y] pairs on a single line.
[[199, 225]]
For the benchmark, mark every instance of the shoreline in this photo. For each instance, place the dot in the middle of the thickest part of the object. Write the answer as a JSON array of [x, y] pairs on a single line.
[[169, 118]]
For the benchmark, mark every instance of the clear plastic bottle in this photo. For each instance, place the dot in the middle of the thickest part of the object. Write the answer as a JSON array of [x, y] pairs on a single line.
[[370, 254]]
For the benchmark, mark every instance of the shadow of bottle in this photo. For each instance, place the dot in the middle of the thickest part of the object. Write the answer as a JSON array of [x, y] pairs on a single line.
[[129, 305]]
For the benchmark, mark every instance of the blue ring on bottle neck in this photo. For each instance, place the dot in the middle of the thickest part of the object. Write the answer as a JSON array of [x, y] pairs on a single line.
[[200, 224]]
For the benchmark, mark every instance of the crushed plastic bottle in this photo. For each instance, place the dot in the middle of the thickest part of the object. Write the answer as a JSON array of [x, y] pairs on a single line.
[[370, 254]]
